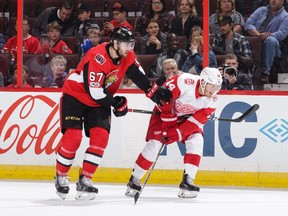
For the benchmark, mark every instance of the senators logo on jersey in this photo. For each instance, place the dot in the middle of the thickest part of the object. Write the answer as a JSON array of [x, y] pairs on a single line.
[[111, 78], [100, 59]]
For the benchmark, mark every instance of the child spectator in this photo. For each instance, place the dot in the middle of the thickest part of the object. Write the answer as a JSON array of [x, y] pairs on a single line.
[[84, 13], [54, 44], [25, 75], [155, 41], [120, 20], [93, 38], [30, 43]]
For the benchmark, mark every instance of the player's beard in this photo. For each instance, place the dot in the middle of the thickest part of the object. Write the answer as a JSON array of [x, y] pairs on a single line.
[[122, 54]]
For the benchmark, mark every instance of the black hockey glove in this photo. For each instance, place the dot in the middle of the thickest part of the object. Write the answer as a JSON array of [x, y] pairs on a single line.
[[159, 94], [120, 107]]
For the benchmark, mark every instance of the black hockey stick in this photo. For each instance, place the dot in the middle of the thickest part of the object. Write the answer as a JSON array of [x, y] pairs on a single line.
[[136, 197], [250, 111]]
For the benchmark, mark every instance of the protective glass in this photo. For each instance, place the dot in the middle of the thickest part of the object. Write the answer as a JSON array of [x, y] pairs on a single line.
[[213, 88], [127, 45]]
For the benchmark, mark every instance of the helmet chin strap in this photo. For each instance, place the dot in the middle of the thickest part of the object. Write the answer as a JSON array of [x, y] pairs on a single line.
[[116, 60], [203, 87]]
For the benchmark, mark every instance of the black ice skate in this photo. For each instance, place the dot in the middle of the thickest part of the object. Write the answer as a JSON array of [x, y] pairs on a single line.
[[85, 189], [61, 185], [187, 188], [133, 186]]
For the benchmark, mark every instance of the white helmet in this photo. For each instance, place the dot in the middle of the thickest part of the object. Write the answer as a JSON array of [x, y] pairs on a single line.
[[211, 75]]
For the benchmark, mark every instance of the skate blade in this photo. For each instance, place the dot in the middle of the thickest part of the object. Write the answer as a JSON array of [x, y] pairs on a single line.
[[81, 195], [130, 192], [187, 194], [61, 195]]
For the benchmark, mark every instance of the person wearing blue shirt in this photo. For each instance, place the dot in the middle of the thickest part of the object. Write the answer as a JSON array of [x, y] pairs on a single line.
[[271, 23]]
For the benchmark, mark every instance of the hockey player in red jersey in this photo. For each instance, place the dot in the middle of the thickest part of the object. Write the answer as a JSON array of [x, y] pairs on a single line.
[[87, 100], [194, 100]]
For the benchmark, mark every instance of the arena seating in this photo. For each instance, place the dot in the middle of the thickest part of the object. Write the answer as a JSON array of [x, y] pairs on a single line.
[[30, 8]]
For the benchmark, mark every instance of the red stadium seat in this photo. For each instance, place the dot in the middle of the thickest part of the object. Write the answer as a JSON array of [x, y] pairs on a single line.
[[5, 65], [30, 8], [3, 25], [146, 61], [2, 6]]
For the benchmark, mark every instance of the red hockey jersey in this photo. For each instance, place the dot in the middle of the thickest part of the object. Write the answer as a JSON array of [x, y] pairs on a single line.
[[60, 47], [30, 45], [101, 74]]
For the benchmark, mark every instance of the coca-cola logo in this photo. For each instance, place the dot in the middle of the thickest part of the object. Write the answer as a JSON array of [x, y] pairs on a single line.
[[43, 136]]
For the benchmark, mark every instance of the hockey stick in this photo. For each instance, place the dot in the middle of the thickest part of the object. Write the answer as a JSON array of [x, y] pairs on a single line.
[[136, 197], [247, 113]]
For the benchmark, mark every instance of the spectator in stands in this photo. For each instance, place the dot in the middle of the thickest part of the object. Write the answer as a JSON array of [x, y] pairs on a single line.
[[25, 75], [157, 12], [271, 23], [84, 13], [93, 34], [195, 31], [170, 69], [231, 42], [30, 43], [93, 39], [186, 18], [2, 41], [194, 63], [120, 14], [62, 15], [58, 66], [1, 79], [233, 78], [54, 44], [155, 41], [224, 8], [173, 51], [247, 7]]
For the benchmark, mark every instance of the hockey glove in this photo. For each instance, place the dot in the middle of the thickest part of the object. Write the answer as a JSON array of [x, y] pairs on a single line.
[[168, 120], [159, 95], [86, 45], [120, 107], [172, 135]]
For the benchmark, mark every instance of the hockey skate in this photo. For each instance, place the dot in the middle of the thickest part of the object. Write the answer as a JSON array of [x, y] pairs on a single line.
[[62, 186], [85, 189], [187, 188], [133, 186]]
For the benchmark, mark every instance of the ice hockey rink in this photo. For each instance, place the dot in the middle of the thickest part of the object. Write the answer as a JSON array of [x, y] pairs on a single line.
[[39, 199]]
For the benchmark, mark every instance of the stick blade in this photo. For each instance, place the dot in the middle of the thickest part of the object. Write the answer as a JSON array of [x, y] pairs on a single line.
[[249, 112], [136, 197]]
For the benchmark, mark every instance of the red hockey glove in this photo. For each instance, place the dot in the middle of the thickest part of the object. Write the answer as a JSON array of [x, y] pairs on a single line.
[[168, 120], [159, 95], [120, 107], [172, 135]]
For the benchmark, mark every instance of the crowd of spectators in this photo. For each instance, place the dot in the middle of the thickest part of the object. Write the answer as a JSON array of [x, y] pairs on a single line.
[[158, 31]]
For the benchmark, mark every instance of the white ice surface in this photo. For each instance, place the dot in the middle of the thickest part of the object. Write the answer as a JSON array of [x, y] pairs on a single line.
[[39, 199]]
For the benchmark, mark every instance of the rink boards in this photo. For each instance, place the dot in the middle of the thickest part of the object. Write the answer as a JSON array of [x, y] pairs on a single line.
[[251, 153]]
